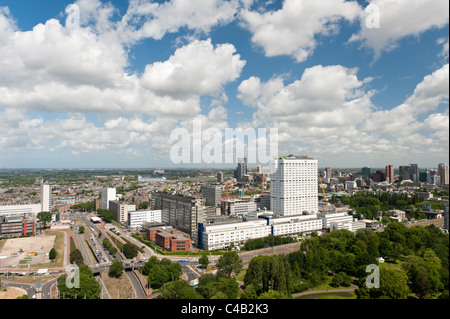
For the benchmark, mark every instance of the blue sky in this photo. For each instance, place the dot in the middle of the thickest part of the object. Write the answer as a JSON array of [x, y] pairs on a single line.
[[109, 91]]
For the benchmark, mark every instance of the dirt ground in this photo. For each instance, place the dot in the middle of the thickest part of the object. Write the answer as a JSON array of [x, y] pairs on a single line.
[[16, 249], [11, 292]]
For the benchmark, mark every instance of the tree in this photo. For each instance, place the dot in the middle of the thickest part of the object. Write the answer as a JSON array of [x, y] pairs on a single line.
[[52, 254], [130, 250], [44, 218], [393, 284], [178, 289], [229, 263], [76, 257], [341, 279], [174, 270], [273, 294], [116, 268], [204, 261], [266, 273], [158, 276], [249, 293], [89, 287]]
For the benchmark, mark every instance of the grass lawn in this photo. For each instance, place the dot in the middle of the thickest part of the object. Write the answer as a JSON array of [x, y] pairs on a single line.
[[391, 265], [59, 247], [240, 276]]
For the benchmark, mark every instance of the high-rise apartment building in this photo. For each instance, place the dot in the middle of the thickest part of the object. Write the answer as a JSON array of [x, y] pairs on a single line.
[[294, 186], [46, 198], [119, 210], [390, 173], [212, 194], [179, 211], [108, 194], [443, 173]]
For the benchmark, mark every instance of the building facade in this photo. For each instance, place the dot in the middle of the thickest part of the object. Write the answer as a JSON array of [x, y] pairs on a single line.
[[14, 225], [137, 218], [443, 173], [46, 198], [119, 210], [294, 185], [390, 174], [366, 173], [403, 172], [212, 195], [108, 194], [414, 173], [179, 211]]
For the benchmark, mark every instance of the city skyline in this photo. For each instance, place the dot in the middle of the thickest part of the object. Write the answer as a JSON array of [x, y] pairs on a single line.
[[103, 84]]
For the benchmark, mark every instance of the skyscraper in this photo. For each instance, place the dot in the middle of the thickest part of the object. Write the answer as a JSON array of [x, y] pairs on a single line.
[[366, 173], [294, 185], [425, 177], [414, 173], [107, 195], [46, 198], [390, 173], [212, 194], [241, 169], [404, 172], [220, 177], [443, 173]]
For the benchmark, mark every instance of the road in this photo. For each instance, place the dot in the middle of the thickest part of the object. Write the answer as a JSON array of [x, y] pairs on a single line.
[[46, 289], [29, 288]]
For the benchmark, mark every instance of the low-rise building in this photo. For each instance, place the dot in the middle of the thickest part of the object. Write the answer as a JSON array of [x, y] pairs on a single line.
[[340, 217], [258, 224], [168, 238], [219, 235], [137, 218], [17, 224]]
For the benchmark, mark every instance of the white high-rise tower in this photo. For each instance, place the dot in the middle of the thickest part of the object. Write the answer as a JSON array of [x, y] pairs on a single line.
[[293, 185], [46, 198], [107, 195]]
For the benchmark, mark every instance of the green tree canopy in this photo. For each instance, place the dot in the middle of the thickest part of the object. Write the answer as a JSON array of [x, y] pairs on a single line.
[[89, 288], [116, 268], [178, 289], [44, 218], [228, 264]]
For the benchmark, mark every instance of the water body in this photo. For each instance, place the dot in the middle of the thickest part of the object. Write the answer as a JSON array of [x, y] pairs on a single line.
[[327, 295]]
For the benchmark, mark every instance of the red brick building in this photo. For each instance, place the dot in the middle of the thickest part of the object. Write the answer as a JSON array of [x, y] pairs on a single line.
[[169, 239]]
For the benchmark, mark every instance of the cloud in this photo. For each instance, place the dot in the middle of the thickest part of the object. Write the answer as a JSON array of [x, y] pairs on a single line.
[[329, 112], [402, 120], [322, 97], [54, 68], [198, 68], [293, 29], [146, 19], [399, 19]]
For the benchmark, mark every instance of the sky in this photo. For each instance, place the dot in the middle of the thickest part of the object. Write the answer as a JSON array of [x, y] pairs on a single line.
[[110, 84]]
